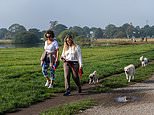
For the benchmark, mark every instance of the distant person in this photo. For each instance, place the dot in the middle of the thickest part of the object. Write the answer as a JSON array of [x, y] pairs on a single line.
[[49, 58], [142, 39], [72, 58]]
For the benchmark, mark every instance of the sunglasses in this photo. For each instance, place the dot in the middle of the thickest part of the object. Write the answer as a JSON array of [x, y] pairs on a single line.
[[48, 36]]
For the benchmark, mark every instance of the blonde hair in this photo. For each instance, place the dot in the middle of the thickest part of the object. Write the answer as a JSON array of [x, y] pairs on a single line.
[[66, 46]]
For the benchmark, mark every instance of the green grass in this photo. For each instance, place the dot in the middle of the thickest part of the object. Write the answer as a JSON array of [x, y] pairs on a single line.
[[119, 80], [71, 108], [22, 83]]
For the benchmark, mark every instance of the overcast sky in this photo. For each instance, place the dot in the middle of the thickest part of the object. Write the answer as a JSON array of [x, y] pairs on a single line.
[[91, 13]]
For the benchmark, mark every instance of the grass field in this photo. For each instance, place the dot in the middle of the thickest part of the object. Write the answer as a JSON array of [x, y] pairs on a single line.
[[122, 41], [22, 83]]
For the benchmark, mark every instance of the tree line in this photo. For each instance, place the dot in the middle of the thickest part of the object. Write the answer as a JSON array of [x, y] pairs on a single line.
[[19, 34]]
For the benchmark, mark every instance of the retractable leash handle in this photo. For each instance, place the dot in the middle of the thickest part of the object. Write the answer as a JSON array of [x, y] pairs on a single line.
[[63, 59], [54, 66]]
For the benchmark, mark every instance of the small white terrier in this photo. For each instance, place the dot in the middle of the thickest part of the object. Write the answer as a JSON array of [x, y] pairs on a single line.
[[129, 72], [92, 78], [144, 61]]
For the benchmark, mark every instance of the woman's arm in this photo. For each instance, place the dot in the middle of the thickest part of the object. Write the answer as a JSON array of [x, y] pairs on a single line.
[[79, 56], [62, 58], [57, 55]]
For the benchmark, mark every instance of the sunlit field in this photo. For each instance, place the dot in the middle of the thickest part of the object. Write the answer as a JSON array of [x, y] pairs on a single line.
[[22, 83], [123, 41], [5, 41]]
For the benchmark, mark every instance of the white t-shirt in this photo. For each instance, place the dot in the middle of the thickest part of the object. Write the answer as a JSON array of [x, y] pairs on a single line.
[[73, 55], [51, 47]]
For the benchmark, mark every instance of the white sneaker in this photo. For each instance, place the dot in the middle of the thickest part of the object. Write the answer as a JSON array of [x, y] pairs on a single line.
[[47, 84], [50, 86]]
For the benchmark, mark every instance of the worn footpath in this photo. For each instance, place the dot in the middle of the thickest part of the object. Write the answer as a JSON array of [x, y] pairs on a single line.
[[137, 99]]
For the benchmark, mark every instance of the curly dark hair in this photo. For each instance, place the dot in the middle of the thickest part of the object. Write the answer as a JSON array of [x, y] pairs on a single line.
[[52, 35]]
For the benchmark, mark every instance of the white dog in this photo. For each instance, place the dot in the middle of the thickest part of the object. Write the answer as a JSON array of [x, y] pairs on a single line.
[[93, 78], [144, 61], [129, 72]]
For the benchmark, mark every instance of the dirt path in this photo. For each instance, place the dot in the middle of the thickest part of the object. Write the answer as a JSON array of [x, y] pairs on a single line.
[[55, 101], [136, 99]]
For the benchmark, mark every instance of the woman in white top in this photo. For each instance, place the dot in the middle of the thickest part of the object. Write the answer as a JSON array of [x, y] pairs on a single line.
[[72, 58], [49, 58]]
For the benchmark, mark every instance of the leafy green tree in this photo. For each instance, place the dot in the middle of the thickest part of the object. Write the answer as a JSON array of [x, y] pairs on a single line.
[[62, 35], [26, 38], [120, 33], [36, 32], [59, 28], [136, 32], [92, 32], [129, 29], [152, 31], [78, 30], [14, 29], [81, 40], [98, 33], [110, 31], [145, 31], [86, 31], [3, 32]]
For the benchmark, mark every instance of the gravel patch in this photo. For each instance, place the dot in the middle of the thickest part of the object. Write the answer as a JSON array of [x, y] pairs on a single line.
[[137, 99]]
